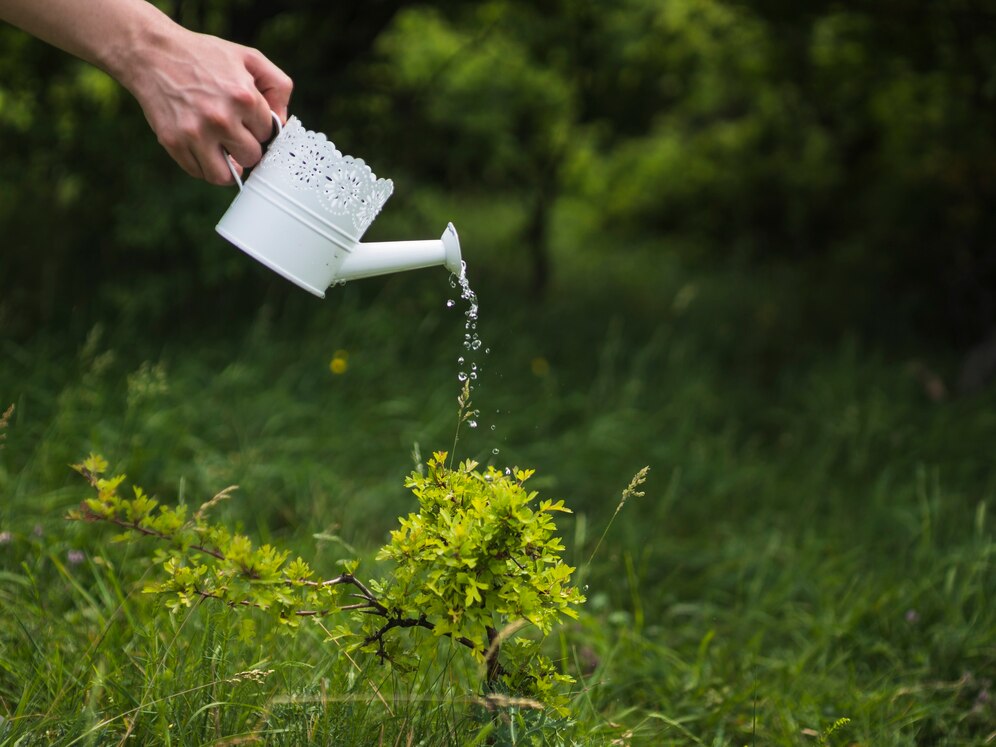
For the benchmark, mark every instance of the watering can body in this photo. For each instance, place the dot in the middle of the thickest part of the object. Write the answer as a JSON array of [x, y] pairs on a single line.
[[304, 208]]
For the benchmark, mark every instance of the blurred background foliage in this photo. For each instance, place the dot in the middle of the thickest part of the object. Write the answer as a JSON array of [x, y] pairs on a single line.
[[851, 143]]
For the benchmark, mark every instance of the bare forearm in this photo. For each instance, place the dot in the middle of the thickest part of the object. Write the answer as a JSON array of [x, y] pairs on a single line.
[[114, 35], [203, 96]]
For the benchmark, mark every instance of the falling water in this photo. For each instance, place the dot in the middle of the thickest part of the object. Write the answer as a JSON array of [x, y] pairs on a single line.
[[471, 340]]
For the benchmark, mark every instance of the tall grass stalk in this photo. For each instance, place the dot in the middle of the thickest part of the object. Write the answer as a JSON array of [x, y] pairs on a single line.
[[630, 491]]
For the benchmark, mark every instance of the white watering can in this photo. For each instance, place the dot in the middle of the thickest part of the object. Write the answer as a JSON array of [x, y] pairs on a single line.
[[305, 206]]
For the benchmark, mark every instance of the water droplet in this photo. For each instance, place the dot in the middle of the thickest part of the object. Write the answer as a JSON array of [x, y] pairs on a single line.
[[472, 423], [473, 375], [450, 303], [460, 360], [495, 450], [508, 471], [462, 376], [487, 350], [475, 345], [492, 427]]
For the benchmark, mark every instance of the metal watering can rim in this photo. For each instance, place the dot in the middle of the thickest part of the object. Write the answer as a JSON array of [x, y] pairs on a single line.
[[321, 177]]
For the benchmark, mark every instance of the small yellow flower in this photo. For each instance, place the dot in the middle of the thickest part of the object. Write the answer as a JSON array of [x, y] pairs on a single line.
[[540, 366], [339, 362]]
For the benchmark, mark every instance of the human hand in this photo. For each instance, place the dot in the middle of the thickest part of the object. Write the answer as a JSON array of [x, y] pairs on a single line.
[[204, 96]]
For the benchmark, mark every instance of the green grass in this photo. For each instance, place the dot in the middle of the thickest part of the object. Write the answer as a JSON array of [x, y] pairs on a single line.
[[815, 542]]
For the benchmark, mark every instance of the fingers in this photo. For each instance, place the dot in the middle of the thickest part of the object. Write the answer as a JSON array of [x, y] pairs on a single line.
[[271, 90], [204, 158], [218, 131], [201, 151], [214, 167], [244, 147], [272, 82], [210, 167], [185, 157], [260, 122], [234, 169]]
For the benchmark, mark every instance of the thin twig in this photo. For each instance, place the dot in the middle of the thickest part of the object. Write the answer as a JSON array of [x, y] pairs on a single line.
[[135, 526]]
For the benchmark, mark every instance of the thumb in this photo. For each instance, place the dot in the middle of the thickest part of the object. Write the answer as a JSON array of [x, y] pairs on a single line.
[[271, 81]]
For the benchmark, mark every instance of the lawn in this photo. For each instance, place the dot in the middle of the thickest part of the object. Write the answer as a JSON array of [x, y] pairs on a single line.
[[811, 562]]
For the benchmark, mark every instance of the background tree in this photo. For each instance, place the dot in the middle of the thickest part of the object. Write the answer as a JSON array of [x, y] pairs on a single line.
[[852, 143]]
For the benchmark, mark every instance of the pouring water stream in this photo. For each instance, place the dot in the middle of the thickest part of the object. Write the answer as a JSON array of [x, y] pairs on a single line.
[[472, 344]]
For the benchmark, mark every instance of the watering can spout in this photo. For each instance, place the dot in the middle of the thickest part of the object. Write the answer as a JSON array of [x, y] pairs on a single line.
[[366, 260]]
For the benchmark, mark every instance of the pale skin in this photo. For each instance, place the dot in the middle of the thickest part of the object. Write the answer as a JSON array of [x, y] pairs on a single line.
[[202, 96]]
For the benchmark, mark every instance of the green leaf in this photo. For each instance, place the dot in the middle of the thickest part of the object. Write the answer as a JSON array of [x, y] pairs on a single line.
[[247, 629]]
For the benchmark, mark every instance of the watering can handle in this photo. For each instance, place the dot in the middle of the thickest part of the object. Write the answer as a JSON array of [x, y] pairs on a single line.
[[228, 158]]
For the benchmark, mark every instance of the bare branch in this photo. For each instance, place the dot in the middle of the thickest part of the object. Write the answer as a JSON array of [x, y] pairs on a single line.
[[136, 527]]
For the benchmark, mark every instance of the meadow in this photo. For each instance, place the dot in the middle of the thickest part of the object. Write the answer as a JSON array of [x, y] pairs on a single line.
[[812, 562]]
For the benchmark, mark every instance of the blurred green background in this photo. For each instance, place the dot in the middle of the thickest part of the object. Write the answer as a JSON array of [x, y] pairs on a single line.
[[747, 243], [852, 143]]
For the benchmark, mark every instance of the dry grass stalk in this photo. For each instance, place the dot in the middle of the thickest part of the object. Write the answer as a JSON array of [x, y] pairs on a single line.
[[4, 420]]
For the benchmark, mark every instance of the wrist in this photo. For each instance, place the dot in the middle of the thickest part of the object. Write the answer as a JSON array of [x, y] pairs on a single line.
[[144, 36]]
